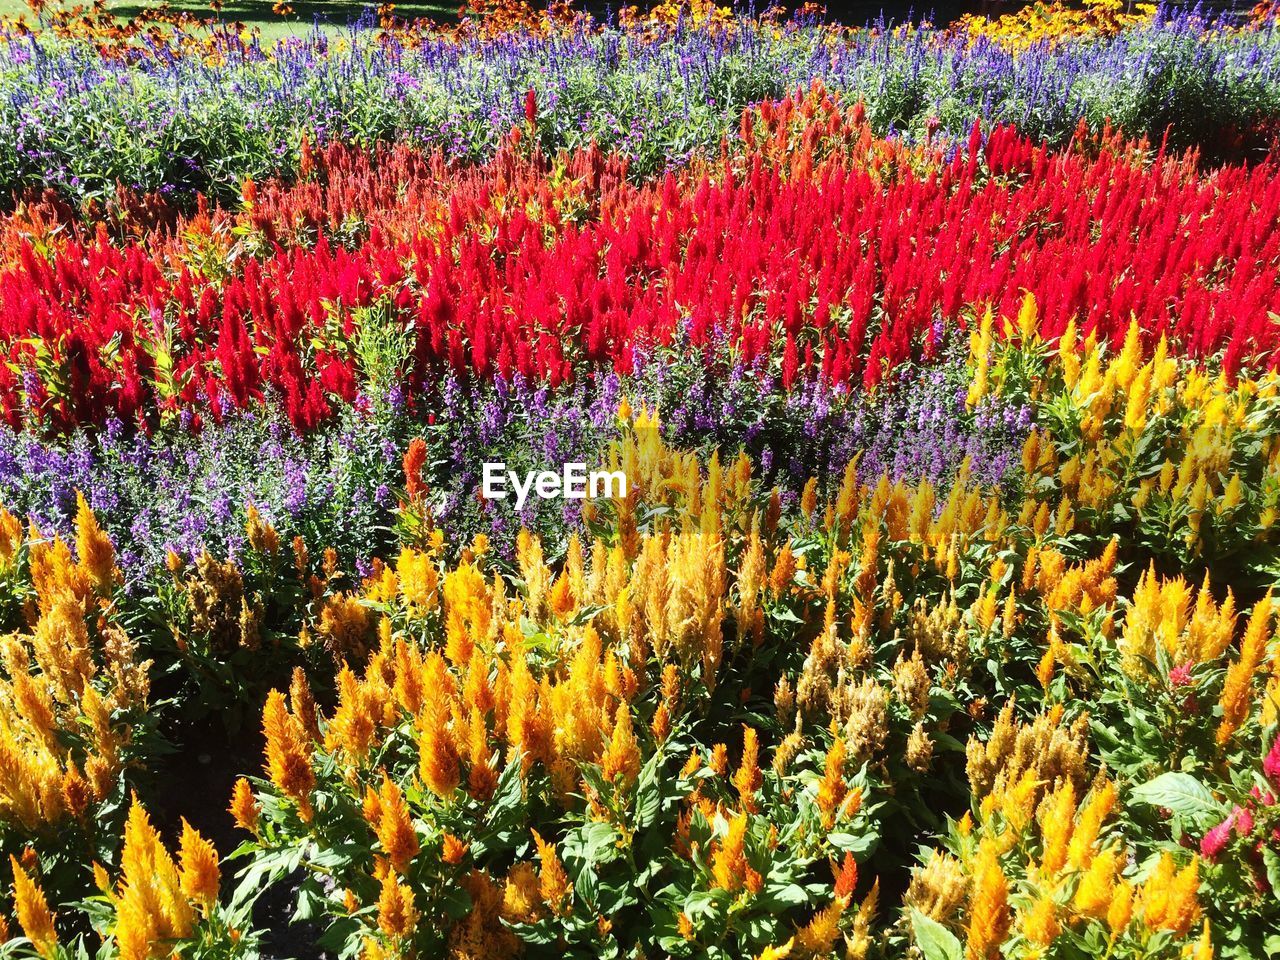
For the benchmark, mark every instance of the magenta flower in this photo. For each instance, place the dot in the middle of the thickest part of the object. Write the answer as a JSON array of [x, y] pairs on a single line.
[[1215, 841], [1271, 764]]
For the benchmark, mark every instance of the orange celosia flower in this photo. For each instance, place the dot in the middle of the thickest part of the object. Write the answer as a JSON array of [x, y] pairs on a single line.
[[288, 753], [151, 906], [415, 458], [94, 548], [817, 937], [621, 761], [244, 807], [832, 789], [34, 916], [1237, 689], [1097, 887], [200, 873], [1169, 899], [846, 878], [397, 915], [395, 827], [438, 754], [748, 778], [553, 881], [453, 850]]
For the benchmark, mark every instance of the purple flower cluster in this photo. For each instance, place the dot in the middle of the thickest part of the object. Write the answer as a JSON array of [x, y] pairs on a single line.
[[74, 120], [339, 486]]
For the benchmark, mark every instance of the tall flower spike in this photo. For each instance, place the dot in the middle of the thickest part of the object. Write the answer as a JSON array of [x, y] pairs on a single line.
[[34, 916], [200, 872], [244, 807], [288, 753]]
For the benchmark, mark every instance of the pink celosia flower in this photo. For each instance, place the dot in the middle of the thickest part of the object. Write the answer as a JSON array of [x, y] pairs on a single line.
[[1215, 841], [1271, 764]]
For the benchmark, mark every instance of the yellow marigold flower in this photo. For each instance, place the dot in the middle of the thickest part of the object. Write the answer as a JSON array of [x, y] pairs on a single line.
[[988, 907], [397, 915], [395, 827], [553, 882], [93, 546], [244, 807], [200, 873], [288, 753], [33, 912]]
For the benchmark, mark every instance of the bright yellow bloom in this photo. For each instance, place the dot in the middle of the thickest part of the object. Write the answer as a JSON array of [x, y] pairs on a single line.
[[34, 916], [989, 917], [201, 875]]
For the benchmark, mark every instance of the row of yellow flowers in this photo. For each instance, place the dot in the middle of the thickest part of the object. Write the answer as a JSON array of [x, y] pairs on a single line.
[[714, 722]]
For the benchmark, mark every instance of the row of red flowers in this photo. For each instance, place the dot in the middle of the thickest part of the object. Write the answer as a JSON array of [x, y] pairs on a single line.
[[807, 242]]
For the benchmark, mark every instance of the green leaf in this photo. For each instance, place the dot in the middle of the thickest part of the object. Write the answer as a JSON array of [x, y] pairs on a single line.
[[935, 941], [1179, 792]]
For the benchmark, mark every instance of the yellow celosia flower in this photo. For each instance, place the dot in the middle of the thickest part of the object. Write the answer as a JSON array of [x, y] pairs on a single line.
[[989, 917], [201, 875], [34, 915]]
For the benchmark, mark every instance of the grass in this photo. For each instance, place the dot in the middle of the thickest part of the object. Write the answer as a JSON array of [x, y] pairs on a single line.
[[332, 14]]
